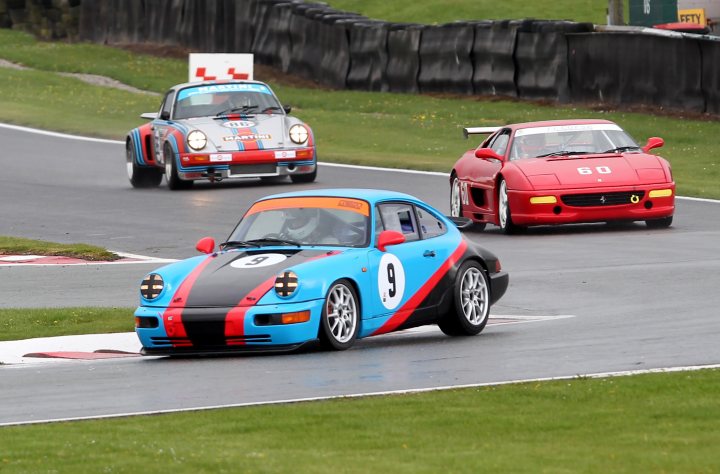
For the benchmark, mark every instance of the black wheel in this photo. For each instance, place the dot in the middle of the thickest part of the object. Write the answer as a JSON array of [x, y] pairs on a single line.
[[504, 215], [456, 204], [304, 178], [663, 223], [471, 302], [340, 317], [171, 175], [140, 176]]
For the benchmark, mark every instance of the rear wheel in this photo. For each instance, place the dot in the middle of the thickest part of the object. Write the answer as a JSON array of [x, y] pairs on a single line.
[[471, 302], [304, 178], [504, 214], [171, 175], [659, 223], [340, 317], [139, 176]]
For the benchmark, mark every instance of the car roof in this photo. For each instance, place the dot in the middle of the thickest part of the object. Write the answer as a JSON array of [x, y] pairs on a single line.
[[370, 195], [554, 123]]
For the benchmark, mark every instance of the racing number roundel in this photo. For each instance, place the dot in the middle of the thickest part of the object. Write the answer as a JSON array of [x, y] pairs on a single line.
[[391, 281], [259, 260]]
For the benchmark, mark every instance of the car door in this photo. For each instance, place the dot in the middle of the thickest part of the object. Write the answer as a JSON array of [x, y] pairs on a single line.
[[161, 126], [480, 184], [401, 277]]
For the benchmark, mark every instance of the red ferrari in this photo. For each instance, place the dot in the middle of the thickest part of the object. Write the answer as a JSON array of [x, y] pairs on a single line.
[[559, 172]]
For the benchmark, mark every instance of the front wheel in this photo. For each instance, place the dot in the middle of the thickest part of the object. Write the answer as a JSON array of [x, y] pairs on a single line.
[[340, 317], [171, 174], [663, 223], [504, 215], [471, 302], [139, 176]]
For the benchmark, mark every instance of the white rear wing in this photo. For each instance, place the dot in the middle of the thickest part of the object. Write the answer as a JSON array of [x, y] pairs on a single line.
[[467, 131]]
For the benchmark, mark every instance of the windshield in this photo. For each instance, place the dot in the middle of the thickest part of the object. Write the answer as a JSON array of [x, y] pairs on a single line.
[[570, 139], [223, 99], [332, 221]]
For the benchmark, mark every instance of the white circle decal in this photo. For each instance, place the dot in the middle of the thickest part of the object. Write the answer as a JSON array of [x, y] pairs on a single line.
[[391, 281], [259, 260], [238, 124]]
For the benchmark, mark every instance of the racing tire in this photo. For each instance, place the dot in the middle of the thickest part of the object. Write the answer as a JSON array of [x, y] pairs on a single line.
[[471, 302], [504, 214], [171, 175], [140, 176], [663, 223], [456, 205], [304, 178], [340, 319]]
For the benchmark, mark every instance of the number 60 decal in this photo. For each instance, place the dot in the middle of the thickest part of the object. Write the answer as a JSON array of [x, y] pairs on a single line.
[[599, 169], [391, 281]]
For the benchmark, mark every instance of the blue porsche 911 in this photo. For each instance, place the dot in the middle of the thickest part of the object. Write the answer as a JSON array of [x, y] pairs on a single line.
[[321, 265]]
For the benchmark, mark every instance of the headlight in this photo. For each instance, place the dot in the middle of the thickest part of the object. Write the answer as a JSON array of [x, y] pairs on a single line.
[[298, 134], [285, 284], [152, 286], [196, 140]]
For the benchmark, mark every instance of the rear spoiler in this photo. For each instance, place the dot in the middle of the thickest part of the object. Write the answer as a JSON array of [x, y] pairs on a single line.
[[467, 131]]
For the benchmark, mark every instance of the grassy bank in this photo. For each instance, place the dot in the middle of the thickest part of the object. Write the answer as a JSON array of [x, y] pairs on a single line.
[[648, 423], [20, 246], [16, 324]]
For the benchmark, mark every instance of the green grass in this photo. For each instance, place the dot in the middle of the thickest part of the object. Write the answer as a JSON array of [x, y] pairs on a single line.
[[379, 129], [16, 324], [21, 246], [648, 423], [593, 11]]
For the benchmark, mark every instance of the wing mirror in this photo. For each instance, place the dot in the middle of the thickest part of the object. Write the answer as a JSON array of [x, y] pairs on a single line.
[[206, 245], [487, 153], [653, 142], [389, 237], [287, 108], [165, 115]]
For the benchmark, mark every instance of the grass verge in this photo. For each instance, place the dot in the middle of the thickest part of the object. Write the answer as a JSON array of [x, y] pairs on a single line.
[[379, 129], [21, 246], [16, 324], [648, 423]]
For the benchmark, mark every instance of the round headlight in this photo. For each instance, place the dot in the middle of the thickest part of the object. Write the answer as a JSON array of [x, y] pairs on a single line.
[[286, 283], [196, 140], [152, 286], [298, 134]]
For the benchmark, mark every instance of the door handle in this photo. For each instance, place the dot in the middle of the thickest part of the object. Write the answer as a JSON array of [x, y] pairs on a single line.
[[429, 253]]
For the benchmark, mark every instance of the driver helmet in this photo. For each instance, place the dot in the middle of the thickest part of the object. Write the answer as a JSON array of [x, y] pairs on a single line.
[[301, 222]]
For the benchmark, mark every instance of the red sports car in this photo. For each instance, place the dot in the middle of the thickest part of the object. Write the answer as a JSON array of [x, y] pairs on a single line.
[[561, 171]]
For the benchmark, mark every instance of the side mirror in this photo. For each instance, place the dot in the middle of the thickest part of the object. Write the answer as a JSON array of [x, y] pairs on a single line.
[[165, 115], [149, 115], [487, 153], [287, 108], [206, 245], [653, 142], [389, 237]]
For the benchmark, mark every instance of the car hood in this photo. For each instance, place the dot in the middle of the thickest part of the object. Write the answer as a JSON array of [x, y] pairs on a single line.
[[241, 278], [591, 171], [262, 131]]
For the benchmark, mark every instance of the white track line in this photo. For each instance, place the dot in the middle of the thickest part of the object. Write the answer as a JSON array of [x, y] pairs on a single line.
[[338, 165], [375, 394]]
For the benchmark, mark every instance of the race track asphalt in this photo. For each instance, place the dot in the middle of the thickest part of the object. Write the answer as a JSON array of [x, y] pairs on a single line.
[[640, 298]]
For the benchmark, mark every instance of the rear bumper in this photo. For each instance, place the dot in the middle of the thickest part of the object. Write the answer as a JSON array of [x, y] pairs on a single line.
[[498, 285], [644, 207]]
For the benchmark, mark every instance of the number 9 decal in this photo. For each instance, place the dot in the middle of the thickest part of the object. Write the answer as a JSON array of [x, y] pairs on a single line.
[[391, 281], [257, 261]]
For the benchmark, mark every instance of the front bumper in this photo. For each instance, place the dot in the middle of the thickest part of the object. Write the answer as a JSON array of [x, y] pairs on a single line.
[[247, 164], [579, 206]]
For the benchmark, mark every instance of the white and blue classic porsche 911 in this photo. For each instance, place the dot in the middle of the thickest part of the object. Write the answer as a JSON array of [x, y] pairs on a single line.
[[220, 130]]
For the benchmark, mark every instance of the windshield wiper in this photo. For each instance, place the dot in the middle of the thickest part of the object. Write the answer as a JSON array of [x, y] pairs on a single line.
[[621, 149], [243, 109], [564, 153], [273, 240], [272, 107], [236, 243]]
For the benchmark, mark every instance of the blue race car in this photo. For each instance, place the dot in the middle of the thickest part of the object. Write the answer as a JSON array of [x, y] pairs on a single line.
[[330, 265]]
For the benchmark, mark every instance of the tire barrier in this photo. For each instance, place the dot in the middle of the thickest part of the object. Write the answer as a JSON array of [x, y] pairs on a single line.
[[445, 58], [620, 68], [536, 59]]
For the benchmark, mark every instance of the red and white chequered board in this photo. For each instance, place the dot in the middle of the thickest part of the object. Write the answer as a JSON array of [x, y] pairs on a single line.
[[220, 67]]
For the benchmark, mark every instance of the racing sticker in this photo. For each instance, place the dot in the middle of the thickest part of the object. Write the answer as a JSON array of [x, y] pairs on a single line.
[[238, 124], [259, 260], [391, 281]]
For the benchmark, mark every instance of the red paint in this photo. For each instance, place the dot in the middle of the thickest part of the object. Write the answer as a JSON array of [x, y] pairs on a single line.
[[411, 305], [237, 75], [201, 72], [235, 319]]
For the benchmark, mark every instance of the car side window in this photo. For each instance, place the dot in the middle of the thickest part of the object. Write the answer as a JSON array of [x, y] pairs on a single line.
[[401, 218], [167, 105], [500, 142], [430, 226]]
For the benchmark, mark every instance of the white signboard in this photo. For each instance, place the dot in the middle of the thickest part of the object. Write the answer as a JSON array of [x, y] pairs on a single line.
[[219, 67]]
